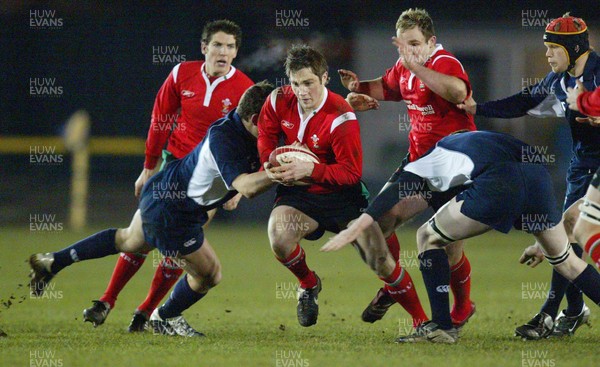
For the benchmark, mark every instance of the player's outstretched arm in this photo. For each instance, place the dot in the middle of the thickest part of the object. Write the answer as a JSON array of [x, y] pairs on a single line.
[[532, 255], [361, 102], [348, 235], [233, 202], [252, 184], [372, 88]]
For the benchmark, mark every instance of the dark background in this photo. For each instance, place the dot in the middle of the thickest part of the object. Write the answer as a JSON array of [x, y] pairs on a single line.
[[102, 57]]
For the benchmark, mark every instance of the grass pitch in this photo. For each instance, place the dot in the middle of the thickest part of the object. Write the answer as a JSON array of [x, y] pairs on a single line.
[[250, 318]]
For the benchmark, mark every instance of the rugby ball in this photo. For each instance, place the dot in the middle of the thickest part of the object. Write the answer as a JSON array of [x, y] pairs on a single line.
[[284, 155]]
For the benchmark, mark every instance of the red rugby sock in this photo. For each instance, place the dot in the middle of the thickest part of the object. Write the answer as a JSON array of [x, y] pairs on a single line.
[[296, 263], [166, 275], [127, 265], [592, 247], [394, 246], [460, 283], [401, 288]]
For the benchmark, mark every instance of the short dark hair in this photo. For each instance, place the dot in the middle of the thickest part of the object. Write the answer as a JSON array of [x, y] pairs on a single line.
[[304, 56], [225, 26], [253, 99]]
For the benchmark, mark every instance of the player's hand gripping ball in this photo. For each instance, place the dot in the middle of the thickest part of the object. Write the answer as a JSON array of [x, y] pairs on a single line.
[[285, 154]]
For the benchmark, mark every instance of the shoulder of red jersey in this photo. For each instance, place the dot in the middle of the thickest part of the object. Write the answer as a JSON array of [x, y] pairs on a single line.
[[338, 110], [186, 69], [244, 78], [282, 96], [441, 55]]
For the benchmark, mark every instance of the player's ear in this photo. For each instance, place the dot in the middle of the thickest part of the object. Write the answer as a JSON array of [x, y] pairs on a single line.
[[325, 78], [432, 41], [204, 47], [254, 119]]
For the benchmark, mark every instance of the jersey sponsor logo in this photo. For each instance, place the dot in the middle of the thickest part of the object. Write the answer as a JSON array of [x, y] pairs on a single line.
[[442, 288], [189, 243], [315, 141], [226, 104], [287, 124], [425, 110], [187, 93]]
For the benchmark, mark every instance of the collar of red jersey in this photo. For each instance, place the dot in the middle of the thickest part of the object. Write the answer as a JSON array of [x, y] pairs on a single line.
[[438, 47], [226, 76]]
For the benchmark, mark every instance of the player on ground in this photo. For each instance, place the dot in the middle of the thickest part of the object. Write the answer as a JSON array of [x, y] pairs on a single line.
[[195, 94], [173, 208], [431, 81], [571, 59], [307, 113], [502, 192]]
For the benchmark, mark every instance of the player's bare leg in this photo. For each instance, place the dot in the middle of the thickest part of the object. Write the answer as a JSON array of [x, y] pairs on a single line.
[[559, 253], [101, 244], [287, 226], [165, 276], [549, 322], [446, 226], [203, 272], [587, 228], [398, 286], [586, 233]]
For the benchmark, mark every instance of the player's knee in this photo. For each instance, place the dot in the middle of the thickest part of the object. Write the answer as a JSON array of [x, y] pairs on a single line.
[[210, 278], [214, 279], [282, 240], [423, 238], [126, 241], [427, 238]]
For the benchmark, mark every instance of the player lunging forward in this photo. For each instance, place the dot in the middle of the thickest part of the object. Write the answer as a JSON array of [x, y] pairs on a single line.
[[173, 208], [503, 192], [194, 95]]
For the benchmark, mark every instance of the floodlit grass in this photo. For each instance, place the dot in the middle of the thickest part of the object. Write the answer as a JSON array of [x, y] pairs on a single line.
[[250, 318]]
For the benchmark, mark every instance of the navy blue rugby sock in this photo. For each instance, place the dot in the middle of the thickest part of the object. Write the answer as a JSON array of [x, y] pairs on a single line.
[[95, 246], [182, 298], [558, 287], [574, 295], [436, 276], [589, 282]]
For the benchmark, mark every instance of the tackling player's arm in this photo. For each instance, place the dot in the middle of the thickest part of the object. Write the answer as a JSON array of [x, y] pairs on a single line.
[[252, 184], [514, 106]]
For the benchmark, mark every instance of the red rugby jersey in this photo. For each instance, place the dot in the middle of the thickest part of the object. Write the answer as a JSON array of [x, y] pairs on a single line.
[[188, 97], [431, 116], [589, 103], [331, 132]]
